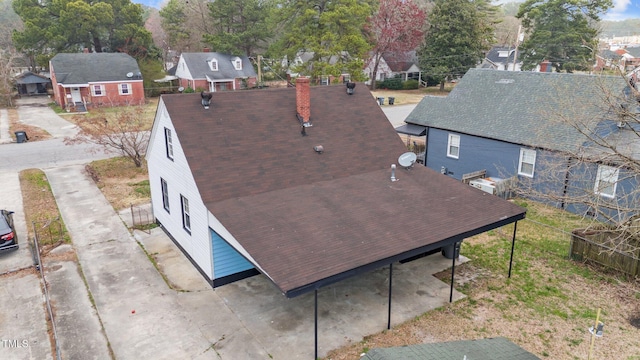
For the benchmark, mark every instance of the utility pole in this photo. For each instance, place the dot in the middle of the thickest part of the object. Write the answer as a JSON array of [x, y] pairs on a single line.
[[519, 38], [259, 70]]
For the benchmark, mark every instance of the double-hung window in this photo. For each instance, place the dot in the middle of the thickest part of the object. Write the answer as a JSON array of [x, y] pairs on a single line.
[[213, 65], [527, 163], [606, 181], [453, 146], [165, 194], [168, 143], [97, 90], [124, 89], [186, 215]]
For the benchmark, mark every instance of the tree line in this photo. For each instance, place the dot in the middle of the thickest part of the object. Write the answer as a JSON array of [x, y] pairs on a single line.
[[450, 36]]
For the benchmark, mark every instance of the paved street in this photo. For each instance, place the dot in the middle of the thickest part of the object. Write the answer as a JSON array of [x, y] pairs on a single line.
[[130, 310]]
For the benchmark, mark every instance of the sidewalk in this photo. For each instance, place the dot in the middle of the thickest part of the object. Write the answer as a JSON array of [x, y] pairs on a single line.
[[142, 317], [5, 136]]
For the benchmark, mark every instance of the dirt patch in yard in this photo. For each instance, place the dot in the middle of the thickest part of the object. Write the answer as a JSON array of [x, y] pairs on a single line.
[[122, 183]]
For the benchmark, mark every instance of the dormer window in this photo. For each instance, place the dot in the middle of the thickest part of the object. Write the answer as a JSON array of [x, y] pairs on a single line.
[[213, 64], [237, 63]]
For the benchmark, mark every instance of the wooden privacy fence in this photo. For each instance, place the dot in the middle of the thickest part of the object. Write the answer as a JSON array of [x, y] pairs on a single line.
[[608, 249]]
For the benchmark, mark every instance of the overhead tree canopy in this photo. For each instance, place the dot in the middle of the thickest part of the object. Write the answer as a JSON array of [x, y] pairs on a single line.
[[460, 32], [561, 31], [67, 26], [330, 30], [396, 28], [240, 26]]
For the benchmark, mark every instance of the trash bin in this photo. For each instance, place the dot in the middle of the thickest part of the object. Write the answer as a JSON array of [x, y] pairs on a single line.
[[451, 251], [391, 100], [381, 100], [21, 136]]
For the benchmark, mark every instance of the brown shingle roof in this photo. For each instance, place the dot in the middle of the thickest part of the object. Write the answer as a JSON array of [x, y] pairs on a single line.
[[311, 219]]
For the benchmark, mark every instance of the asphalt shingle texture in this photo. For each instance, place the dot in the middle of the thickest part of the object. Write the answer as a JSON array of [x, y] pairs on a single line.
[[484, 349], [306, 217], [525, 108], [198, 64], [81, 68]]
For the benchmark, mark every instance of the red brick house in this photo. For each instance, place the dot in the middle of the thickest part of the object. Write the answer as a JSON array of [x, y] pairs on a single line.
[[213, 71], [87, 80]]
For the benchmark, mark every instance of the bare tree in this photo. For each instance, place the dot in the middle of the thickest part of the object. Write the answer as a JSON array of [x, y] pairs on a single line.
[[601, 176], [124, 132], [7, 61]]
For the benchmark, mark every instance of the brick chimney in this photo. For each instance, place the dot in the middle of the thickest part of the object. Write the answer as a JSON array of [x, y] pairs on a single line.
[[85, 50], [303, 99], [545, 66], [206, 49]]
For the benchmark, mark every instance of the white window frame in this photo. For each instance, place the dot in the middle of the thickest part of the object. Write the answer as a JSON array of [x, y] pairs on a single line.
[[527, 157], [186, 215], [237, 63], [165, 195], [168, 143], [99, 92], [213, 64], [122, 91], [453, 142], [607, 178]]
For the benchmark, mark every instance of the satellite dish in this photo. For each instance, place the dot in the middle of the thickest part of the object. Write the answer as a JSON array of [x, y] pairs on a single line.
[[180, 89], [129, 74], [407, 159]]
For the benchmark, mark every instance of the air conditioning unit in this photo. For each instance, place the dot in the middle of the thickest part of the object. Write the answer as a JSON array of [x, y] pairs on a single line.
[[487, 185]]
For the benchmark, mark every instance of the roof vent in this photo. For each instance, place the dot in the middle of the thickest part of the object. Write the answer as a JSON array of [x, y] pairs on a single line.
[[505, 81], [206, 99], [350, 87]]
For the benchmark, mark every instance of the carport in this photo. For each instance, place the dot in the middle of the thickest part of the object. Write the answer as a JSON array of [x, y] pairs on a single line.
[[308, 237]]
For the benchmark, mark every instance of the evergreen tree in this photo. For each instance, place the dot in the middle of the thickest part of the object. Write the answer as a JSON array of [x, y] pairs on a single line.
[[329, 30], [241, 26], [69, 26], [561, 31], [460, 32]]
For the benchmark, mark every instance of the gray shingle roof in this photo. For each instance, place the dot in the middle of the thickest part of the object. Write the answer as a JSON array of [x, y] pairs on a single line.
[[494, 55], [199, 67], [634, 51], [484, 349], [520, 107], [31, 78], [81, 68]]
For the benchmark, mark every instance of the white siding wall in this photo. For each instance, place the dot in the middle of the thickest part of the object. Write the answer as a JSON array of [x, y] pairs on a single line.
[[180, 182], [383, 70], [182, 71]]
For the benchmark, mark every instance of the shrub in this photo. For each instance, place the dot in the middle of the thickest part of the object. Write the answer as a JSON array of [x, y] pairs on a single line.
[[410, 84], [391, 84]]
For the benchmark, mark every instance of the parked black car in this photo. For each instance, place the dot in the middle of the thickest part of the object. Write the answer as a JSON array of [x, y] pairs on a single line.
[[8, 236]]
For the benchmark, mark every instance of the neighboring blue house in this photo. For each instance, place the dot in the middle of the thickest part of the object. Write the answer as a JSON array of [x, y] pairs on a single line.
[[516, 125]]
